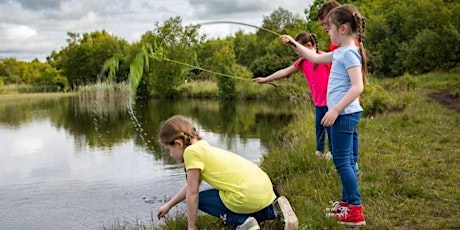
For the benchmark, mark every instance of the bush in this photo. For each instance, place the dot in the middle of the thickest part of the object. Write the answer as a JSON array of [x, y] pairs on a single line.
[[268, 64], [376, 100]]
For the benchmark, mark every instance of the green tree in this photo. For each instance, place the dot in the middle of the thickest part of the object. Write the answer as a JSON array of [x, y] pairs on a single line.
[[41, 75], [247, 48], [83, 59], [280, 21], [176, 42], [10, 71], [275, 54], [224, 59], [413, 36]]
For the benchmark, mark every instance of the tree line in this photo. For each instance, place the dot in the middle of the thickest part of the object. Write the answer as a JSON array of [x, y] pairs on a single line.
[[411, 36]]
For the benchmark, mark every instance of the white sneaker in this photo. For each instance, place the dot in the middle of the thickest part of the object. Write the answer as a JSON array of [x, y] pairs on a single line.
[[285, 213], [326, 156], [249, 224]]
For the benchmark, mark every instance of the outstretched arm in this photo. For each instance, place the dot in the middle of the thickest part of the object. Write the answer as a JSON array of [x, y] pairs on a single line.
[[180, 196], [282, 73], [305, 52]]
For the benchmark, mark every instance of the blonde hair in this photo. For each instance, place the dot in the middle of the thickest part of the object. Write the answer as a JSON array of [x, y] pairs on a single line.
[[177, 127]]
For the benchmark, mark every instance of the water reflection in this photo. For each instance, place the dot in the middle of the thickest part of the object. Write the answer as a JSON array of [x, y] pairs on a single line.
[[72, 163]]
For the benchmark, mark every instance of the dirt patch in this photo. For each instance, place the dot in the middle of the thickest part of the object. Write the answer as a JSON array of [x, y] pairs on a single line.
[[448, 100]]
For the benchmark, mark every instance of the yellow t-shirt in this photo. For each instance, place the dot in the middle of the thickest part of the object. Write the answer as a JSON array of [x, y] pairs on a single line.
[[243, 186]]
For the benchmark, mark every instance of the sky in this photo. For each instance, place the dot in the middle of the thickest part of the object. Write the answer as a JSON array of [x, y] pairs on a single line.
[[32, 29]]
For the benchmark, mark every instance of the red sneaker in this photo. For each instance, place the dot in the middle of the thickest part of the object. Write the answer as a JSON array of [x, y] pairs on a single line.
[[352, 215], [337, 206]]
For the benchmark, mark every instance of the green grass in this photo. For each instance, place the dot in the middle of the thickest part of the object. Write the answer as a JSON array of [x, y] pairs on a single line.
[[293, 87], [9, 98], [409, 159], [409, 155]]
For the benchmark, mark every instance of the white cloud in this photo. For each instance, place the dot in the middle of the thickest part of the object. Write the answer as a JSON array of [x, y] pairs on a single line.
[[34, 28], [16, 32]]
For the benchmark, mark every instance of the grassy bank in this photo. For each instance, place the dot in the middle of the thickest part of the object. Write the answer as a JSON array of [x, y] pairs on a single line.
[[409, 159], [16, 97], [409, 156]]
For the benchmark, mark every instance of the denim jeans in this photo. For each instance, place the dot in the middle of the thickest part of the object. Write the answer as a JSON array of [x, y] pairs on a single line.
[[355, 146], [321, 131], [210, 202], [342, 134]]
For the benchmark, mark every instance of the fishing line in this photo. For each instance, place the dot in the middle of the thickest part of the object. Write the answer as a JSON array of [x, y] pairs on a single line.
[[240, 23], [244, 24], [155, 53], [161, 57], [203, 69]]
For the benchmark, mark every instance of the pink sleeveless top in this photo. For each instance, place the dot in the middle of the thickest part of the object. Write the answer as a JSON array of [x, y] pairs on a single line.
[[317, 79]]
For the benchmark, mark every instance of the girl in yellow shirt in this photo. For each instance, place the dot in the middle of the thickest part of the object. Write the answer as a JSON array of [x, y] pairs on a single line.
[[242, 194]]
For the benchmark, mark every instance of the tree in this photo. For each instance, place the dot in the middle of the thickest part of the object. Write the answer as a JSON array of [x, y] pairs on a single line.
[[176, 42], [274, 54], [413, 36], [247, 48], [41, 75], [224, 59], [83, 59], [10, 71]]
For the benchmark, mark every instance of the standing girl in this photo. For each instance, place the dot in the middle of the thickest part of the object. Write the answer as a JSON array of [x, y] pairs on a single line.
[[317, 76], [344, 87], [242, 193], [322, 19]]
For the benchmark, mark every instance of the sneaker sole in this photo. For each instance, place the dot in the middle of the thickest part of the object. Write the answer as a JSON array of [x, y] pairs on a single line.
[[254, 228], [253, 222], [353, 224], [289, 218]]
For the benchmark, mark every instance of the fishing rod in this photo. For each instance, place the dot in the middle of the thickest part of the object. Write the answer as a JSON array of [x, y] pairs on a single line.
[[206, 70], [244, 24], [239, 23], [156, 53]]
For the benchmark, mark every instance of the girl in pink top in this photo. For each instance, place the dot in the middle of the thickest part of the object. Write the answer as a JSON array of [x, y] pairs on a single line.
[[317, 76]]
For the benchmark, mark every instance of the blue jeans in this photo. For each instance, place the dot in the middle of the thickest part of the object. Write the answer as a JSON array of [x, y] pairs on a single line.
[[321, 131], [355, 146], [210, 202], [342, 134]]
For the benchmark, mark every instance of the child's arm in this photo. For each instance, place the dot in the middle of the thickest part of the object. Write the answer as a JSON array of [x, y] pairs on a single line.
[[305, 52], [282, 73], [193, 185], [180, 196], [356, 79]]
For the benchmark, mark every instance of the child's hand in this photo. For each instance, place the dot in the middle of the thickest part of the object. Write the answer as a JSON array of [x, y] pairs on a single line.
[[162, 211], [329, 118], [260, 80], [288, 40]]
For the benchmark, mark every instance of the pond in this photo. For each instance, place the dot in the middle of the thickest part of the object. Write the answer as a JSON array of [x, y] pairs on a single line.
[[71, 163]]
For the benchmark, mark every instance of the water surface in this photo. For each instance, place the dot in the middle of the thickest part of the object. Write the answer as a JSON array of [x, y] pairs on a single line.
[[70, 163]]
